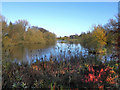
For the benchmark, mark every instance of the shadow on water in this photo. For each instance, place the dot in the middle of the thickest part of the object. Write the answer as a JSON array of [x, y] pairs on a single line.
[[59, 52]]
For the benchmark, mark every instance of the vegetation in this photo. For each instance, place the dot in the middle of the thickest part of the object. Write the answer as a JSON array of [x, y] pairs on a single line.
[[21, 33], [98, 38], [68, 69], [84, 71], [95, 40]]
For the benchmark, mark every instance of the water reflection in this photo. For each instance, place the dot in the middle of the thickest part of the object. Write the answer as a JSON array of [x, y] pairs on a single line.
[[59, 52]]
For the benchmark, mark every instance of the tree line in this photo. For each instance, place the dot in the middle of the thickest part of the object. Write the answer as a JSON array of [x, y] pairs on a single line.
[[20, 32], [99, 37]]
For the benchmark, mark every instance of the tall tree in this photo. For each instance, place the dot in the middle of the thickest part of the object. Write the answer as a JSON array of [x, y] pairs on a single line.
[[24, 23], [99, 35], [10, 28], [4, 26]]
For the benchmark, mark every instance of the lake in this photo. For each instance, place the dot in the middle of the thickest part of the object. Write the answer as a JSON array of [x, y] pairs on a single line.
[[59, 52]]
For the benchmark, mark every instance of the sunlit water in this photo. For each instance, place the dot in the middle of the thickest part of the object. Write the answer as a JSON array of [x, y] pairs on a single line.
[[58, 52]]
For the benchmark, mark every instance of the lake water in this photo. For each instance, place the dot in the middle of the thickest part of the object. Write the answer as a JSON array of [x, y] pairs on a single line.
[[57, 52]]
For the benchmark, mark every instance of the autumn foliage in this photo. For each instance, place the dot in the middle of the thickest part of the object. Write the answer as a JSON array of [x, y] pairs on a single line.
[[21, 32]]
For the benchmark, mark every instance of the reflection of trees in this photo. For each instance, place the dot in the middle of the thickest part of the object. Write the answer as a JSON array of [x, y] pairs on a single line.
[[16, 53], [24, 53]]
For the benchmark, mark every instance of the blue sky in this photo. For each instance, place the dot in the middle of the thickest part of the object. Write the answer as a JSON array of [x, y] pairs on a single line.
[[62, 18]]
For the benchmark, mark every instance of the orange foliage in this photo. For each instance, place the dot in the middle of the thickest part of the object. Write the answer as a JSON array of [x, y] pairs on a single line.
[[35, 67], [102, 73], [101, 87]]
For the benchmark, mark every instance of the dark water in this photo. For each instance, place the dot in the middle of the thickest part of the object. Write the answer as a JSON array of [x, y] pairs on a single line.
[[59, 52]]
